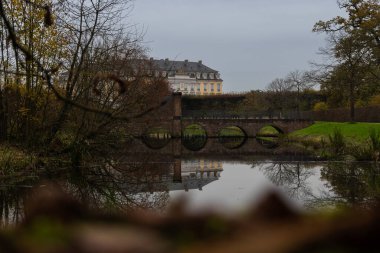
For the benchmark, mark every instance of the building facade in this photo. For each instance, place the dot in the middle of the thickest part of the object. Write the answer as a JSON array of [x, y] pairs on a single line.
[[189, 78]]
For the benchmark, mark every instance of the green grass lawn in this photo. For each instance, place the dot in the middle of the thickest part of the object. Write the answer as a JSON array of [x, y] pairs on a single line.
[[354, 131], [268, 130], [231, 131], [158, 132], [194, 130]]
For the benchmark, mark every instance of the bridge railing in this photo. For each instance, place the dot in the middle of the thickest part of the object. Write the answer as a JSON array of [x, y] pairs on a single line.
[[222, 114]]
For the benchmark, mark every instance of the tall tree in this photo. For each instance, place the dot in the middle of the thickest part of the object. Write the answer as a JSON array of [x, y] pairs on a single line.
[[354, 46], [95, 73], [362, 24], [299, 81], [278, 89]]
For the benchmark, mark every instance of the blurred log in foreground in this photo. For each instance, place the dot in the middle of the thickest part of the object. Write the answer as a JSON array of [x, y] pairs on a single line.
[[55, 222]]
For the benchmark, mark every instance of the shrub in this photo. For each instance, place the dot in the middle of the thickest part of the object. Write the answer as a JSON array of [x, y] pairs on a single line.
[[374, 139], [320, 106], [375, 100], [13, 160], [361, 103], [337, 142]]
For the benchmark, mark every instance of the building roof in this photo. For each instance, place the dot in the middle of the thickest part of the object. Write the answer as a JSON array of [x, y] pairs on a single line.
[[185, 66]]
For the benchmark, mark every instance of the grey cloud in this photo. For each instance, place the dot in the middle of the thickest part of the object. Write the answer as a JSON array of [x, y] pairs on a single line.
[[250, 42]]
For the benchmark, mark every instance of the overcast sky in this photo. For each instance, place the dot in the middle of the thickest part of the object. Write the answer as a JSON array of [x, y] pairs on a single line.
[[250, 42]]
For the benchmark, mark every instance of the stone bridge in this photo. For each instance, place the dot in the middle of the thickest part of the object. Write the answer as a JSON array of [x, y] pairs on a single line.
[[170, 118], [251, 127]]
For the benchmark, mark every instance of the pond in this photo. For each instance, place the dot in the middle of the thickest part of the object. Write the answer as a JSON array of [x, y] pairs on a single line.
[[225, 184], [236, 186]]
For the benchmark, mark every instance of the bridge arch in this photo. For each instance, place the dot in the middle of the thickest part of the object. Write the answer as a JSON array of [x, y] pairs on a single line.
[[232, 130], [194, 137], [160, 130], [232, 137], [194, 129], [267, 128], [268, 136], [156, 136]]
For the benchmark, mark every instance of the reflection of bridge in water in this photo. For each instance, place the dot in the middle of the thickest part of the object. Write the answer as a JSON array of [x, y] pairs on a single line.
[[211, 146]]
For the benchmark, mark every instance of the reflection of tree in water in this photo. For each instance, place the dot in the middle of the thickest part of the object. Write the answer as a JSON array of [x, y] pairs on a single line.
[[346, 184], [110, 187], [11, 205], [13, 189], [352, 184], [194, 143], [121, 187], [292, 177]]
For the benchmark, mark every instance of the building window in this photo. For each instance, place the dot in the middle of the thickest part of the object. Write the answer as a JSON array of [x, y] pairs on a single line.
[[212, 87], [205, 87], [218, 87], [198, 87]]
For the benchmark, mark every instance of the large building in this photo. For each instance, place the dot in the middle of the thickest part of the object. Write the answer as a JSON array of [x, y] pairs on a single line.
[[190, 78]]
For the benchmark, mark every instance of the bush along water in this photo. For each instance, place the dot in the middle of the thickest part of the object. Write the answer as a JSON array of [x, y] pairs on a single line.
[[368, 150], [337, 144], [374, 138]]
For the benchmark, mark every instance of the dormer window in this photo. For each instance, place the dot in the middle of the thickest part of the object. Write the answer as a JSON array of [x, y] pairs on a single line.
[[204, 75], [217, 76], [212, 76], [163, 74], [198, 75]]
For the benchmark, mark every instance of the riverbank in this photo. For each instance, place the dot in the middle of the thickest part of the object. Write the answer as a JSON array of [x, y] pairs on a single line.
[[355, 132], [13, 158], [358, 141]]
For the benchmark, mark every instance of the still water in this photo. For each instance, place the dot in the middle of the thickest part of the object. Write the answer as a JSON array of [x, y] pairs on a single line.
[[227, 186], [236, 186]]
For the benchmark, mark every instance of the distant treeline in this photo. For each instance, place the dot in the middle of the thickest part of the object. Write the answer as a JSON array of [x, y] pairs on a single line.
[[255, 101]]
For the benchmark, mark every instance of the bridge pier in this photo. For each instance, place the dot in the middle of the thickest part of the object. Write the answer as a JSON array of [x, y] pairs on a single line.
[[177, 147], [177, 115], [177, 175]]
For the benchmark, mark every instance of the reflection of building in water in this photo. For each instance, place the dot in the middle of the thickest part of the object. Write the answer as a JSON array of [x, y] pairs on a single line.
[[196, 174], [180, 175]]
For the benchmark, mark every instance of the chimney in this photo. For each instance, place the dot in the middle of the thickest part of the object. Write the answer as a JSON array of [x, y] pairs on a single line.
[[166, 61], [151, 58], [186, 62], [200, 62]]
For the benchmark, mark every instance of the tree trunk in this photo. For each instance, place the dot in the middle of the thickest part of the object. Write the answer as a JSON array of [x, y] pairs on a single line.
[[3, 81], [3, 119], [298, 102], [352, 103]]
